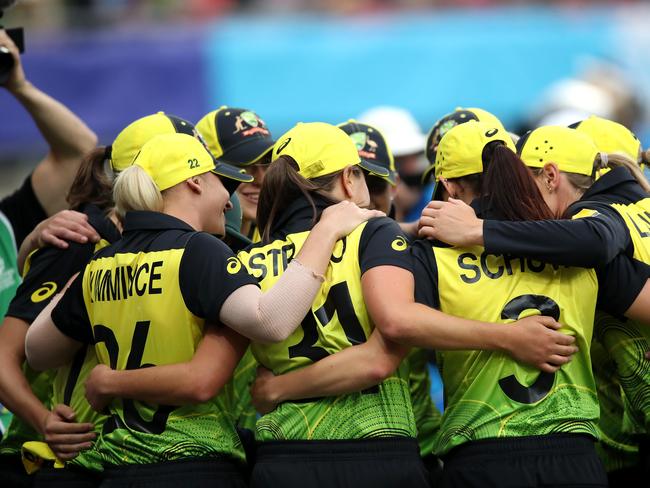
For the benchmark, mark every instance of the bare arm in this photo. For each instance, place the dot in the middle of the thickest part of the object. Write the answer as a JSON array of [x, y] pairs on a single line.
[[389, 293], [350, 370], [272, 316], [15, 392], [46, 347], [65, 436], [195, 381], [69, 139]]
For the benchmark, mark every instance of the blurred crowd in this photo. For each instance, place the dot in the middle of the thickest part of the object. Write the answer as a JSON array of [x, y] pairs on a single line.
[[91, 13]]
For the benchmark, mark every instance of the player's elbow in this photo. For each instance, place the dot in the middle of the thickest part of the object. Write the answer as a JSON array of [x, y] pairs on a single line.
[[204, 387], [271, 333], [393, 327], [205, 392], [381, 370]]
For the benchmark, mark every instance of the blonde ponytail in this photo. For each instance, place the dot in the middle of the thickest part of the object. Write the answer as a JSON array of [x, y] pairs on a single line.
[[135, 190], [645, 157], [615, 160]]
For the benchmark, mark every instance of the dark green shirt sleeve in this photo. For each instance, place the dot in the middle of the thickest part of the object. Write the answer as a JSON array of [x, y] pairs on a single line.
[[586, 242], [619, 283], [383, 243], [425, 272], [49, 271], [209, 273]]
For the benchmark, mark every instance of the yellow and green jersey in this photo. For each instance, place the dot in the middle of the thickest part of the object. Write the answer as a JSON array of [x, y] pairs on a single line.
[[611, 223], [616, 449], [627, 341], [46, 271], [427, 415], [145, 301], [487, 393], [18, 430], [235, 396], [338, 319]]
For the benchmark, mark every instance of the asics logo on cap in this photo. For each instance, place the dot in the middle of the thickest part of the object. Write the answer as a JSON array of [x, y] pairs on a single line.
[[491, 132], [284, 144]]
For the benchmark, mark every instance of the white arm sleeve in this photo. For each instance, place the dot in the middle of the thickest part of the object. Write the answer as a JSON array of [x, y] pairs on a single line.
[[274, 315]]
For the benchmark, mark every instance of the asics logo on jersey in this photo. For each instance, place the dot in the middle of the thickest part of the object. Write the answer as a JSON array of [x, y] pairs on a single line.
[[233, 266], [399, 244], [46, 290]]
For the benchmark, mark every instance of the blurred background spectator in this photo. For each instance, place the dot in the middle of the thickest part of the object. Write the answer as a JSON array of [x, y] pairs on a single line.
[[528, 62]]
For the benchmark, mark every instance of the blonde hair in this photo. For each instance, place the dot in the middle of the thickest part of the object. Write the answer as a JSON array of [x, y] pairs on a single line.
[[611, 161], [645, 156], [135, 190]]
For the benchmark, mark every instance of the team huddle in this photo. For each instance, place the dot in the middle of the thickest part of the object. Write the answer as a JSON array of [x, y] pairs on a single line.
[[248, 312]]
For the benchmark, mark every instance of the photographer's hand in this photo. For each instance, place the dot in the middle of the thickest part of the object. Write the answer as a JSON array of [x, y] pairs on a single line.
[[16, 80]]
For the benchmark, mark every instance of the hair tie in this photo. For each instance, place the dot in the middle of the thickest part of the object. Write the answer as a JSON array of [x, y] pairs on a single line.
[[604, 160]]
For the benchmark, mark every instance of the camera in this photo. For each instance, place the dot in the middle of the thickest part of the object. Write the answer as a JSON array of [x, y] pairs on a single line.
[[16, 35]]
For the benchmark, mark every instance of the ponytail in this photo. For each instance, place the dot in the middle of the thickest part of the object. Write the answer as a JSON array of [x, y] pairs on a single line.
[[283, 185], [616, 160], [509, 185], [93, 182], [135, 190]]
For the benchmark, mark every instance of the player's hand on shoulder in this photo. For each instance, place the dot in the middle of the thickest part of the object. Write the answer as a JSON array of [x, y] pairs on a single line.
[[63, 226], [453, 222], [343, 217]]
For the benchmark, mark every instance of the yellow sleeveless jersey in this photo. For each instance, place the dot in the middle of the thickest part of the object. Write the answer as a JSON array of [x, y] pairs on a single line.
[[626, 341], [145, 301], [487, 393], [46, 272], [637, 219], [338, 319]]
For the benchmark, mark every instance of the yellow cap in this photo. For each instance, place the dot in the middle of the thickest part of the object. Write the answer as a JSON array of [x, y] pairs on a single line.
[[135, 135], [172, 158], [321, 149], [611, 137], [572, 151], [460, 152]]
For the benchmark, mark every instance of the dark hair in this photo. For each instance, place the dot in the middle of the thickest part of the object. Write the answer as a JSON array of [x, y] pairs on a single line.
[[282, 185], [92, 184], [508, 185], [376, 184]]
